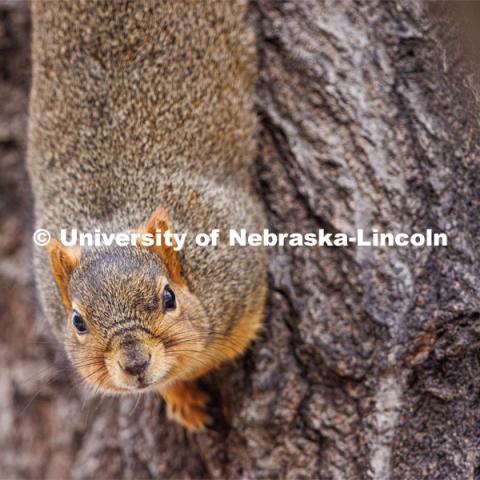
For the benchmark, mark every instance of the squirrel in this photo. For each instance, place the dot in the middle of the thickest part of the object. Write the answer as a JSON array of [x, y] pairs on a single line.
[[141, 118]]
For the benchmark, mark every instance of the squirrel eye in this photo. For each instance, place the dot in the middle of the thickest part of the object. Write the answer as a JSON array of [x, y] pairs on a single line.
[[79, 323], [168, 299]]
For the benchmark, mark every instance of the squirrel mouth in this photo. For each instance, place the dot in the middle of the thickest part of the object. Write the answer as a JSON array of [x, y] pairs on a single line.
[[142, 383]]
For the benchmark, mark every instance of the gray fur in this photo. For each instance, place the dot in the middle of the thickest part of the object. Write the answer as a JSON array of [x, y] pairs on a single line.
[[139, 105]]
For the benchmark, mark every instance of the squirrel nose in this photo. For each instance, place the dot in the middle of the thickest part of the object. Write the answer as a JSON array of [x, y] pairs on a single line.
[[135, 361]]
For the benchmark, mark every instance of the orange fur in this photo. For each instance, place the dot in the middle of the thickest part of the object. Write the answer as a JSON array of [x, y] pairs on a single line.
[[186, 405], [159, 222], [62, 261], [185, 401]]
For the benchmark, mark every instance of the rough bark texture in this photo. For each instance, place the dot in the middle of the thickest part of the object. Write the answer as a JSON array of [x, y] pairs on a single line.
[[368, 363]]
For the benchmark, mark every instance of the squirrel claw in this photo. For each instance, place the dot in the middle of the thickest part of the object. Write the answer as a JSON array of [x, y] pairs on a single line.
[[191, 417], [186, 404]]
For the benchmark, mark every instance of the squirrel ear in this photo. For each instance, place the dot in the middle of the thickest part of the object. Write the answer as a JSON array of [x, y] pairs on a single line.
[[63, 260], [159, 221]]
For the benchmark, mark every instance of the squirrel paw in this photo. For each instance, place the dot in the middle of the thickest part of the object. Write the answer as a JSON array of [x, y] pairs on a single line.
[[186, 404]]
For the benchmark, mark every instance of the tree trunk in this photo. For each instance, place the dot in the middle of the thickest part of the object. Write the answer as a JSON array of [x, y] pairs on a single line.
[[368, 362]]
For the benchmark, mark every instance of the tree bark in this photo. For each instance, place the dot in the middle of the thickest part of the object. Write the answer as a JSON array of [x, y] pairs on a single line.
[[368, 362]]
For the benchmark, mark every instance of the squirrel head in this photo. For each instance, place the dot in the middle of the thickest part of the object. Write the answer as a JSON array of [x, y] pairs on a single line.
[[132, 322]]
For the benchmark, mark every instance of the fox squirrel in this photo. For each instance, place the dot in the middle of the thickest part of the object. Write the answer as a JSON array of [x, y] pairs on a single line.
[[141, 117]]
